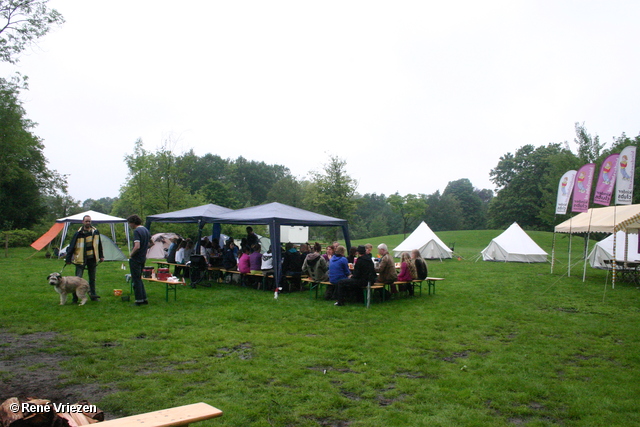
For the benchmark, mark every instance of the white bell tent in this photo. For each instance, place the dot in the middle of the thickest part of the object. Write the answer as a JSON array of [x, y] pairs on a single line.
[[426, 242], [514, 245]]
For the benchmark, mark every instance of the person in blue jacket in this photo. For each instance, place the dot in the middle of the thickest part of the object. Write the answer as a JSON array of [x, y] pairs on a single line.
[[338, 270]]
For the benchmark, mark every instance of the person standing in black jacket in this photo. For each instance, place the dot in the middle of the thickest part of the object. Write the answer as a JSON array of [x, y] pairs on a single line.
[[85, 251]]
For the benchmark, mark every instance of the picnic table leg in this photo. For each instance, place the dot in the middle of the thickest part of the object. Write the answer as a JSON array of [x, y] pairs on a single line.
[[368, 294]]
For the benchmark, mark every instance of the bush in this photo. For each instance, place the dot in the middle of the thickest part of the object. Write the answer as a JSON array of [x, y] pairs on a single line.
[[19, 238]]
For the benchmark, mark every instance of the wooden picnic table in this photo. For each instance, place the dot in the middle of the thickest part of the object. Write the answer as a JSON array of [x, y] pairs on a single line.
[[170, 286]]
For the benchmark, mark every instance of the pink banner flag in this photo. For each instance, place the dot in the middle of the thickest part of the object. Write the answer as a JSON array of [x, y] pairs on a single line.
[[582, 188], [565, 187], [606, 180], [626, 169]]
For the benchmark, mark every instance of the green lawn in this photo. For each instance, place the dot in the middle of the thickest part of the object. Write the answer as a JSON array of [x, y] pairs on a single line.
[[499, 344]]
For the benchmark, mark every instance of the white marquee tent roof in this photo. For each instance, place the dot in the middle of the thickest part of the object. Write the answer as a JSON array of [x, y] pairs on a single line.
[[514, 245], [603, 220], [426, 241], [96, 218]]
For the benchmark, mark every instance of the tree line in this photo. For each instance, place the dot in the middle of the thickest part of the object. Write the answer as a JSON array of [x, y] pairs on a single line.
[[32, 194]]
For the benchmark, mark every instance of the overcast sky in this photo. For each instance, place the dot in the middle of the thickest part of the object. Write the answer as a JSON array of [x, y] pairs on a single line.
[[412, 94]]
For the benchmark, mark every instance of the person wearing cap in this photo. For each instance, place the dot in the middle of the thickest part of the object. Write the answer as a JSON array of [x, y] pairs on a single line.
[[387, 268], [363, 273]]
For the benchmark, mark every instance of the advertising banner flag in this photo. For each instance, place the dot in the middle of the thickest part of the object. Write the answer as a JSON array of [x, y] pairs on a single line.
[[582, 188], [626, 169], [606, 180], [565, 187]]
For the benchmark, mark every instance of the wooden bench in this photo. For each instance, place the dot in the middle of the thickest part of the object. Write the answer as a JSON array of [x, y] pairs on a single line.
[[416, 283], [178, 416], [431, 281], [314, 285], [170, 286]]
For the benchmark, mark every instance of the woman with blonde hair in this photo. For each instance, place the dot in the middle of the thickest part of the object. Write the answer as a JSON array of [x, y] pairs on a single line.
[[407, 268]]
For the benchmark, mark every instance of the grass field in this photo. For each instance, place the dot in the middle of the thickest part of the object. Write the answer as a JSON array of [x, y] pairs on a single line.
[[499, 344]]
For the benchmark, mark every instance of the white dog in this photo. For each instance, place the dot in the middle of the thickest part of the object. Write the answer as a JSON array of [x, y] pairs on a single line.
[[68, 285]]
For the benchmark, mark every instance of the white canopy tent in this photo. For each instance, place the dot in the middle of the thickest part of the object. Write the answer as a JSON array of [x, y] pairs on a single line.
[[96, 218], [609, 219], [603, 220], [426, 242], [514, 245]]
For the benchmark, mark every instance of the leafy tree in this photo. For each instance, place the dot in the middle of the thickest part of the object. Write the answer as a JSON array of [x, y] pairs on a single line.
[[410, 208], [153, 184], [589, 147], [257, 178], [103, 204], [221, 194], [470, 202], [288, 191], [21, 23], [200, 171], [332, 192], [443, 212], [521, 180], [62, 205], [373, 216], [25, 180]]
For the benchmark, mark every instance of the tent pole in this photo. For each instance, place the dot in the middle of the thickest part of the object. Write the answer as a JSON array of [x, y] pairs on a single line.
[[569, 263], [614, 265], [586, 249], [553, 251], [276, 251]]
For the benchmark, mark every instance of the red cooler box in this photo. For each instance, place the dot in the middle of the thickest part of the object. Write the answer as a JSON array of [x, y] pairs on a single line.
[[163, 274], [147, 272]]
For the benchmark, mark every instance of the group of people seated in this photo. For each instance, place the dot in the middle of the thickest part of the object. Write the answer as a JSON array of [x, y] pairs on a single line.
[[180, 252], [248, 259], [364, 270], [346, 273]]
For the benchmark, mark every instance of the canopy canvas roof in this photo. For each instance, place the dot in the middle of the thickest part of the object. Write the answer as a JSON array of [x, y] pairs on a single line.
[[603, 250], [603, 220], [276, 214], [205, 214], [201, 215], [426, 242], [514, 245], [62, 224]]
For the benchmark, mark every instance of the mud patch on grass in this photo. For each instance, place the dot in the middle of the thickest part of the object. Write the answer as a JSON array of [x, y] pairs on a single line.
[[416, 375], [241, 351], [455, 356], [29, 368], [329, 422], [350, 395], [567, 309]]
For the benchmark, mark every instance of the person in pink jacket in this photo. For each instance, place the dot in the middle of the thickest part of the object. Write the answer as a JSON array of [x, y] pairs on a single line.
[[407, 270], [244, 261]]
